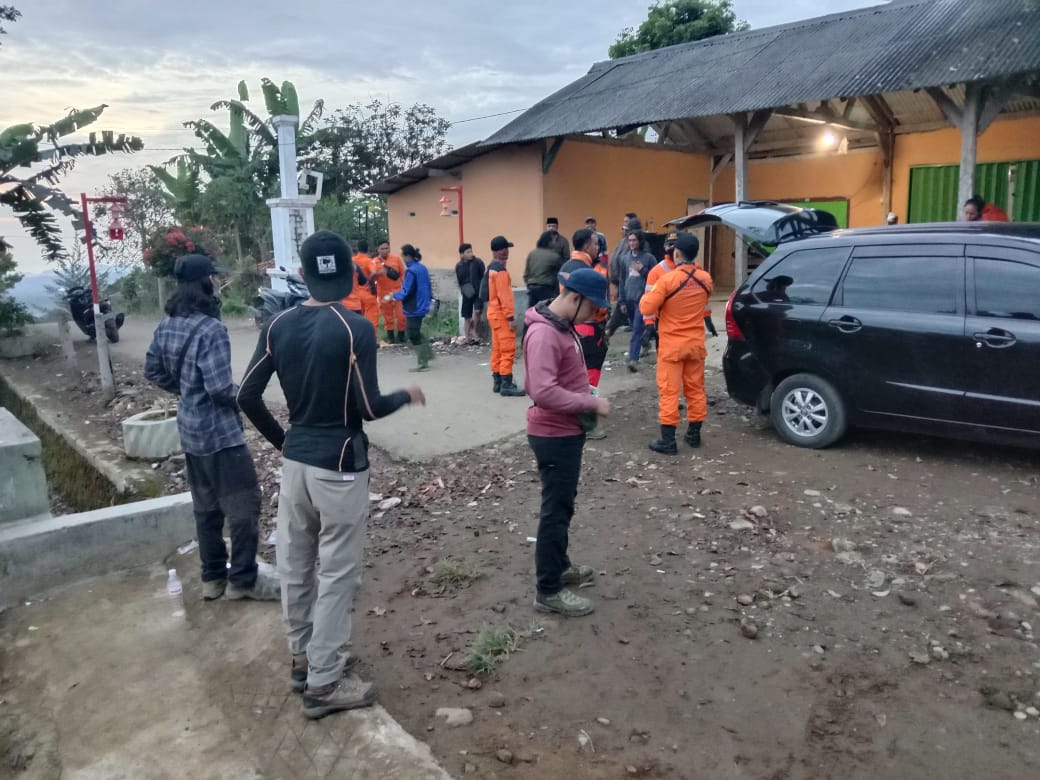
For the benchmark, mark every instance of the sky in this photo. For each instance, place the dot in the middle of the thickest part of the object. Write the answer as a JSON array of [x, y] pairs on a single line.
[[159, 64]]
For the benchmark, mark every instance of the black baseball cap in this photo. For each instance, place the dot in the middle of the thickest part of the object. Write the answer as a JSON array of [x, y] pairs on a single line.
[[552, 221], [191, 268], [327, 266], [500, 242], [589, 219], [688, 244]]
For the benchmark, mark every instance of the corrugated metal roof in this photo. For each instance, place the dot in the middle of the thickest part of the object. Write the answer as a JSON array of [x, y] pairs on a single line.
[[897, 47], [445, 162]]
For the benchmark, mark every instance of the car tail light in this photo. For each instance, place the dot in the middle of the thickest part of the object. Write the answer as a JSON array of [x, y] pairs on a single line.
[[733, 331]]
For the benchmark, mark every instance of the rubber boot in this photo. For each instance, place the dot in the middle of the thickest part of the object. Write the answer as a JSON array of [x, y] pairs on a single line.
[[693, 435], [391, 337], [509, 389], [497, 383], [666, 444], [401, 338]]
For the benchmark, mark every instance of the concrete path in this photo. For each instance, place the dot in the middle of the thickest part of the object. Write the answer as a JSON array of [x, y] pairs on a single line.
[[101, 680], [461, 412]]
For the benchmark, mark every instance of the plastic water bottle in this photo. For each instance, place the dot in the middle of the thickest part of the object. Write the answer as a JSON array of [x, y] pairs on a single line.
[[175, 590]]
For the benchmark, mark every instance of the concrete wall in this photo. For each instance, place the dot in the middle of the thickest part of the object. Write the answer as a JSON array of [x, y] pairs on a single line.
[[23, 487], [502, 194], [606, 179], [39, 554]]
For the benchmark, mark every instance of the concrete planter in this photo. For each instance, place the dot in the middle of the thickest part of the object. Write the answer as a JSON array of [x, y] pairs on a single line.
[[151, 435]]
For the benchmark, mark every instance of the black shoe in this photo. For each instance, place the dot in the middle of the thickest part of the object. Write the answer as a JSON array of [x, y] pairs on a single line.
[[496, 380], [509, 389], [693, 435], [666, 444], [401, 337], [391, 337]]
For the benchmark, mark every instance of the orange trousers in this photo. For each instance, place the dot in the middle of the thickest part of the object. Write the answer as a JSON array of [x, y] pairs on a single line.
[[370, 310], [686, 376], [393, 315], [503, 346]]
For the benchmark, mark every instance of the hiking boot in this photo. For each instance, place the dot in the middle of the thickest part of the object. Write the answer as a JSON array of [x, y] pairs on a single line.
[[496, 383], [509, 389], [266, 588], [693, 435], [213, 589], [566, 603], [577, 575], [596, 433], [666, 444], [633, 366], [345, 694], [298, 674]]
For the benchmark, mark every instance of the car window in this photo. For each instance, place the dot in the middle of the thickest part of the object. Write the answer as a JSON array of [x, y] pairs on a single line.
[[912, 284], [805, 276], [1007, 289]]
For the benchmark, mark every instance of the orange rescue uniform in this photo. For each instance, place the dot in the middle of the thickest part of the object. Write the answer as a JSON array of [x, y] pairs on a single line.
[[392, 311], [367, 295], [678, 300], [354, 300], [500, 314], [656, 273]]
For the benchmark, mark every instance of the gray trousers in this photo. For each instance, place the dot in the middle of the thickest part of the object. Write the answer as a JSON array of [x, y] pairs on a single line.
[[322, 515]]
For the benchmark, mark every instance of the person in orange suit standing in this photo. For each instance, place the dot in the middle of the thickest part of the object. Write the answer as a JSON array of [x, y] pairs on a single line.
[[367, 292], [388, 270], [500, 314], [677, 301]]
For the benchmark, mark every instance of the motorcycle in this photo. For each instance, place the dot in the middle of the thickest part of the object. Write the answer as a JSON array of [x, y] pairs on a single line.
[[269, 302], [81, 307]]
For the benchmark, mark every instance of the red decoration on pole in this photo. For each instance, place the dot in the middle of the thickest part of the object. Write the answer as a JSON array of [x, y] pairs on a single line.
[[444, 208]]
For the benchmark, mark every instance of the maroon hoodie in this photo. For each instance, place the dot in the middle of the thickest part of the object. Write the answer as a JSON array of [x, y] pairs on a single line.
[[555, 376]]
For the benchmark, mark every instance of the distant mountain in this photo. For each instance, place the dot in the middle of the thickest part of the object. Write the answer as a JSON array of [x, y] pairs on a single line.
[[32, 290]]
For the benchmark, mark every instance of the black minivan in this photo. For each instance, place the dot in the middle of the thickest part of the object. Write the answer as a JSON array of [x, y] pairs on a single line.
[[930, 328]]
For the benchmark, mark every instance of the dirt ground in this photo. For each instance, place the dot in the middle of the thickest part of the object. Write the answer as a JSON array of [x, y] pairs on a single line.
[[762, 611]]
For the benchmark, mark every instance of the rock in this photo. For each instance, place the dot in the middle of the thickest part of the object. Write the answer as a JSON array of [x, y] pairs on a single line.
[[819, 649], [474, 684], [469, 769], [750, 630], [875, 579], [389, 503], [655, 560], [741, 525], [1033, 712], [842, 545], [1020, 715], [920, 658], [505, 756], [794, 592], [902, 511], [997, 699], [906, 599], [455, 716], [745, 600], [496, 700], [812, 492], [939, 654], [759, 511], [603, 721], [631, 770]]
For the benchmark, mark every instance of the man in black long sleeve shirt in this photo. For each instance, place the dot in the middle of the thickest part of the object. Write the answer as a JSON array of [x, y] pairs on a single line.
[[325, 358]]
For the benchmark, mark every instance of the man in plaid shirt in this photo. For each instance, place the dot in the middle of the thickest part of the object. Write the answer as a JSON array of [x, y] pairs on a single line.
[[190, 356]]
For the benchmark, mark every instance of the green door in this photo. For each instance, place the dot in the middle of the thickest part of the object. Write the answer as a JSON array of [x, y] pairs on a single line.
[[933, 190]]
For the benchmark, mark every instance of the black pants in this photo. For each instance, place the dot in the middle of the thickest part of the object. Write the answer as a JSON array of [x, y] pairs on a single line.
[[559, 465], [223, 485], [536, 293], [413, 327]]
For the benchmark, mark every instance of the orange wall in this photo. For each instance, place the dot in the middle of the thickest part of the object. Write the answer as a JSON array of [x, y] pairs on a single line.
[[1013, 139], [607, 180], [502, 194]]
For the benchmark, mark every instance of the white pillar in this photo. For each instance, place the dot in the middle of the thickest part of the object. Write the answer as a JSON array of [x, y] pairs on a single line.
[[740, 147], [285, 125]]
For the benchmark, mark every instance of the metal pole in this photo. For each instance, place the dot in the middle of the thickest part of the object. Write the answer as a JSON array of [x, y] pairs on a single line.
[[108, 388]]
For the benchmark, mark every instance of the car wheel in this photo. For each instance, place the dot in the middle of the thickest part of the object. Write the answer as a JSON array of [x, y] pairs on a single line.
[[807, 411]]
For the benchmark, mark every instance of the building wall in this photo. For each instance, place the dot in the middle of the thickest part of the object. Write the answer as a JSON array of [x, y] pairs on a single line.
[[502, 194], [606, 180]]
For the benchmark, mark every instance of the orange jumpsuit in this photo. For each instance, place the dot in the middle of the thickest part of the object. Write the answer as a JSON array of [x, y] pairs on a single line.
[[392, 311], [500, 315], [656, 273], [677, 300], [354, 301], [367, 296]]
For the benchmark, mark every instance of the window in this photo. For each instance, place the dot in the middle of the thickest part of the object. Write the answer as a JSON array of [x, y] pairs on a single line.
[[928, 285], [805, 277], [1007, 289]]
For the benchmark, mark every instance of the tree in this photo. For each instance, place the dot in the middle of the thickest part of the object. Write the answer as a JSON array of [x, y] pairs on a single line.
[[13, 315], [34, 199], [149, 206], [677, 21], [360, 145], [8, 13]]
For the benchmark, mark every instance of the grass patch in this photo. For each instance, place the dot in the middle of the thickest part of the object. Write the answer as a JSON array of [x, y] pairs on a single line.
[[452, 573], [494, 644]]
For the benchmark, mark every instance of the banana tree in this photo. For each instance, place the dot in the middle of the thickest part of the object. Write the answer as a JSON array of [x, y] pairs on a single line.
[[35, 199]]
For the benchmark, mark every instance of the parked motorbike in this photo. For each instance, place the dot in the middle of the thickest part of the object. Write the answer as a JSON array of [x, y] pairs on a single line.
[[81, 306], [268, 302]]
